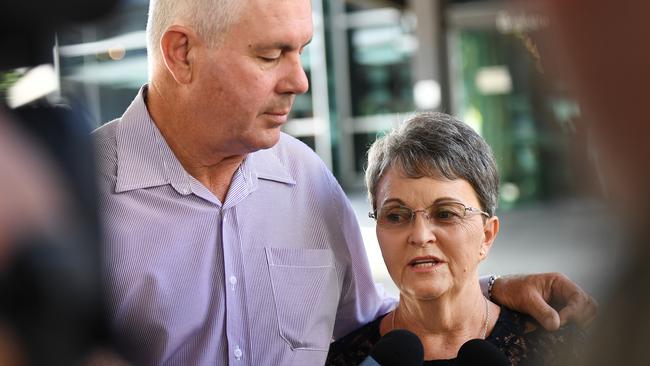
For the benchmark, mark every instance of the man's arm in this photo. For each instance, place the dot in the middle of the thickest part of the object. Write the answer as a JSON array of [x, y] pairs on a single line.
[[539, 295], [361, 300]]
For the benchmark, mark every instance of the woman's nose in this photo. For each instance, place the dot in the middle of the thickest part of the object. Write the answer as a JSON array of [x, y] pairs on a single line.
[[422, 230]]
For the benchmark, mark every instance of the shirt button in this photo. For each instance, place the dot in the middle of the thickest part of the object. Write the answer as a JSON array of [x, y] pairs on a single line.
[[233, 281], [238, 353]]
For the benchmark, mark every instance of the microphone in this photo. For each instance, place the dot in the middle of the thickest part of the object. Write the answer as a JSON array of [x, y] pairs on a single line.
[[397, 348], [478, 352]]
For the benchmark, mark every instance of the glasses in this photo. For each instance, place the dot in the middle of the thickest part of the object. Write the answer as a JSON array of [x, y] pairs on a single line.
[[447, 213]]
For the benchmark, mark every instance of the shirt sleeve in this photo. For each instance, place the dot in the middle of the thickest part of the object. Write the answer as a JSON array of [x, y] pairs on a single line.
[[483, 281], [362, 301]]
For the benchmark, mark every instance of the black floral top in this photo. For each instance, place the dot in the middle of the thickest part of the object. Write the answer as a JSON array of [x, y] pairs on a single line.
[[511, 334]]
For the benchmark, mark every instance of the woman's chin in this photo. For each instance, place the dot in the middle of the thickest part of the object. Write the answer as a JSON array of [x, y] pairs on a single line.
[[425, 292], [425, 285]]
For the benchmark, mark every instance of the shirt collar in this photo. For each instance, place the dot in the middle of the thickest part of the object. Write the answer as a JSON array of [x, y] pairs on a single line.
[[265, 164], [145, 159]]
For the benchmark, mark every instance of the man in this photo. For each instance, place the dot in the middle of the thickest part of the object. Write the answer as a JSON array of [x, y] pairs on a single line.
[[229, 242]]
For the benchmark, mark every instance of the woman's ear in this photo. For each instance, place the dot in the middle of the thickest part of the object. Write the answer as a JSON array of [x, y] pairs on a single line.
[[490, 232], [176, 46]]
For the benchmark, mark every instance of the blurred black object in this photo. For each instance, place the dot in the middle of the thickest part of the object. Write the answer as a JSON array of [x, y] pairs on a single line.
[[27, 27], [397, 347], [51, 289], [479, 352]]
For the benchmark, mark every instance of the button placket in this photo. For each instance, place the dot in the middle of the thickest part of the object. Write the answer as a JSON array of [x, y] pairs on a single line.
[[233, 281]]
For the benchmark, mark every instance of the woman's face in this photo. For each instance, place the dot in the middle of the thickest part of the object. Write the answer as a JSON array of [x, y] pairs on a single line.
[[430, 258]]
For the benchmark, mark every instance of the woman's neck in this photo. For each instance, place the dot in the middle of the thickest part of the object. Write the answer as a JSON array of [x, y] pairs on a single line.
[[445, 323]]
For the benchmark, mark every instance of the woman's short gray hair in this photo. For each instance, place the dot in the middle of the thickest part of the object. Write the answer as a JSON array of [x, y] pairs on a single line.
[[209, 18], [436, 145]]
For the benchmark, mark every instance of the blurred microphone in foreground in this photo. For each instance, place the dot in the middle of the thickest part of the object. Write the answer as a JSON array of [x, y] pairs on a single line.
[[401, 347], [478, 352], [397, 347]]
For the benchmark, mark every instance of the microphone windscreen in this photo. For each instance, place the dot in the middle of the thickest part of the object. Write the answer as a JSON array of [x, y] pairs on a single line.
[[398, 347], [478, 352]]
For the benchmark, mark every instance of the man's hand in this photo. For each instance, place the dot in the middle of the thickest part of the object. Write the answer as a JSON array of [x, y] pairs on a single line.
[[536, 294]]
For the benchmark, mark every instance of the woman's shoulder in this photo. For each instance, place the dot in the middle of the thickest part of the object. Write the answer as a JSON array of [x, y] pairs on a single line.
[[356, 346], [526, 342]]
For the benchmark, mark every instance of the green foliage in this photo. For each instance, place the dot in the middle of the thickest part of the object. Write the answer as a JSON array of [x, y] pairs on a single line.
[[7, 79]]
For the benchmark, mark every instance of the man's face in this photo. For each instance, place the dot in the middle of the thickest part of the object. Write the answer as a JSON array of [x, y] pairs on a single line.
[[246, 88]]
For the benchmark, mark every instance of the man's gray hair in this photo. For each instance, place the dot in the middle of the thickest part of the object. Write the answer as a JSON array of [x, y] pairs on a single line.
[[209, 18], [436, 145]]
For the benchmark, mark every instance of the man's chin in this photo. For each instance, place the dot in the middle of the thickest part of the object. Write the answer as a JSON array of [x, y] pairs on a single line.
[[269, 139]]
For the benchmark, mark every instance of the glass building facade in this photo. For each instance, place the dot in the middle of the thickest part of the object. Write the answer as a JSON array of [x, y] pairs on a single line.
[[370, 65]]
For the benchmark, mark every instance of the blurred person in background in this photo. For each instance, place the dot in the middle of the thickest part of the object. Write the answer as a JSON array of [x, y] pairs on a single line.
[[27, 205], [606, 53], [228, 241], [50, 311], [437, 166], [50, 289]]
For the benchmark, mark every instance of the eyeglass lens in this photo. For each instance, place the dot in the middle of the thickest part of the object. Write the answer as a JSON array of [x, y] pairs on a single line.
[[442, 213]]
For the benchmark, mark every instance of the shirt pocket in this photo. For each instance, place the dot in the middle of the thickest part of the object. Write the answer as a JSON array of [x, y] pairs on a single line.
[[306, 293]]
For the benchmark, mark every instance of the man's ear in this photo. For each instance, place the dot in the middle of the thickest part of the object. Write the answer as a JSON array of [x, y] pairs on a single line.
[[176, 46], [490, 232]]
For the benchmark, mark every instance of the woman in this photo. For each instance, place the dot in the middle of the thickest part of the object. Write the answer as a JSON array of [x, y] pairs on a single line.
[[433, 185]]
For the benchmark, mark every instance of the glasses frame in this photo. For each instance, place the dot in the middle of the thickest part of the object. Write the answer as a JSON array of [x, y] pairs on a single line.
[[467, 209]]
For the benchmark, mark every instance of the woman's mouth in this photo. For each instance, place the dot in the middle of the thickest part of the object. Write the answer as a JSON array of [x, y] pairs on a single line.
[[424, 263]]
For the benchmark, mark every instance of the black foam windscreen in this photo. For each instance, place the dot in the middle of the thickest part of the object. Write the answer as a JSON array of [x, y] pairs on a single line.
[[478, 352], [398, 347]]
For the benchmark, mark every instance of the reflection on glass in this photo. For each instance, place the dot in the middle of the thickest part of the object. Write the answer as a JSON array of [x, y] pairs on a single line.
[[104, 64], [504, 94], [380, 70]]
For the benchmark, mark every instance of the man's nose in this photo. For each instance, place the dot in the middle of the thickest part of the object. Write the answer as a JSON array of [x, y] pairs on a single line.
[[295, 81]]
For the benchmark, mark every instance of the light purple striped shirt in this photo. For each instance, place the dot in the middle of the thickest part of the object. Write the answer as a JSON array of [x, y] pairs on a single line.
[[267, 277]]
